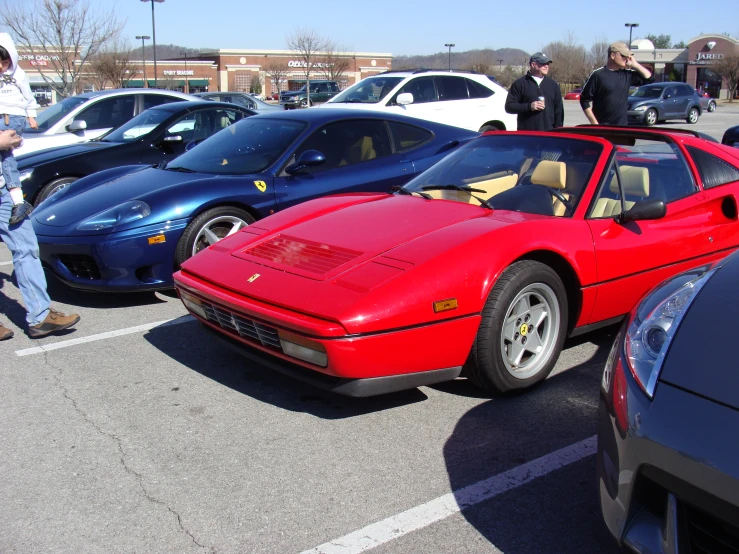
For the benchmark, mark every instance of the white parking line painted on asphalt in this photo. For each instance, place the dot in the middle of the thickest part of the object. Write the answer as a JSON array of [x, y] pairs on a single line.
[[440, 508], [103, 336]]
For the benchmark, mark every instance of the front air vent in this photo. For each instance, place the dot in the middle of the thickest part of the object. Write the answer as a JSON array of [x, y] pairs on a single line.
[[305, 255]]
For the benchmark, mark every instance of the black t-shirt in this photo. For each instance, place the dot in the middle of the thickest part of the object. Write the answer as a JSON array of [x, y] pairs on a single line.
[[608, 92]]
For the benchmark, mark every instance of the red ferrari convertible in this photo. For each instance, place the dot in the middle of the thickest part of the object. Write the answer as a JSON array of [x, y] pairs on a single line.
[[480, 266]]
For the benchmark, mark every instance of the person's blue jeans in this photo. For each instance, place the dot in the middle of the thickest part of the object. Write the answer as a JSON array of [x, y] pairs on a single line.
[[21, 241], [10, 164]]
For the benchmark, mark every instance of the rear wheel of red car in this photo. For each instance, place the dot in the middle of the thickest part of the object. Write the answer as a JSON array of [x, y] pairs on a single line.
[[650, 118], [210, 227], [692, 115], [523, 327]]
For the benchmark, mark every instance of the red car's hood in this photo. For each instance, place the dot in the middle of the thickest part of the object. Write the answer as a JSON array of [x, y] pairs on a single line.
[[324, 264]]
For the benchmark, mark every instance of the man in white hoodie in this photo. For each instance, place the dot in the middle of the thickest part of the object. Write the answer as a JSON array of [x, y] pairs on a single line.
[[17, 105]]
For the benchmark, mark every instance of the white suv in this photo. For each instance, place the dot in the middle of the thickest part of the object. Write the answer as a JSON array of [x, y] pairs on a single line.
[[463, 99]]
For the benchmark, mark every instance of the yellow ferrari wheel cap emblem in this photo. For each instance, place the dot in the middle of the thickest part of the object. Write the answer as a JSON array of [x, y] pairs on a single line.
[[261, 185], [254, 277], [524, 329]]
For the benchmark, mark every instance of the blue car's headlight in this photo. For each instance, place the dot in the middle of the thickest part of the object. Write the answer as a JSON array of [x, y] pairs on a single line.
[[119, 215], [640, 108]]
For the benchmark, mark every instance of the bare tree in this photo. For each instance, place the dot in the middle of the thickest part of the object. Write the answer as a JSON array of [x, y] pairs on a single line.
[[66, 32], [570, 61], [277, 71], [255, 85], [113, 65], [308, 46], [334, 62], [480, 61], [598, 54], [728, 68]]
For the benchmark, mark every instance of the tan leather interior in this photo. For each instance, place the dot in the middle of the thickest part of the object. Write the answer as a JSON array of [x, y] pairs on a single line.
[[552, 175], [635, 182], [360, 151], [492, 186]]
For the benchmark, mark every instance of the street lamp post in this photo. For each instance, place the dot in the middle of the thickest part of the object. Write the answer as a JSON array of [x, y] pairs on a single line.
[[187, 87], [154, 39], [500, 65], [631, 28], [450, 46], [143, 55]]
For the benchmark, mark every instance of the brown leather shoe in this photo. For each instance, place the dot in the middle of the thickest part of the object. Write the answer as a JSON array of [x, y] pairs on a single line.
[[5, 333], [55, 321]]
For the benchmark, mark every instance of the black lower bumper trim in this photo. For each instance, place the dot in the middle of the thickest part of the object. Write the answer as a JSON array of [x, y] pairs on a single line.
[[372, 386]]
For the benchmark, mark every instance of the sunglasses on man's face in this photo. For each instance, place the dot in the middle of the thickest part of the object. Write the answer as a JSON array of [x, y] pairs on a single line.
[[543, 64]]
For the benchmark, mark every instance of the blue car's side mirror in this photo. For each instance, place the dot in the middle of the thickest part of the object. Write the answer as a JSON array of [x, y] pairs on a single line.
[[309, 158]]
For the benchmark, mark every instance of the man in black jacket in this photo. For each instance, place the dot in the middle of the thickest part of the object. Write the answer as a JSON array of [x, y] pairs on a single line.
[[526, 94]]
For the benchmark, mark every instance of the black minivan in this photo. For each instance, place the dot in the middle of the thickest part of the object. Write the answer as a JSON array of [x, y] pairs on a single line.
[[657, 102]]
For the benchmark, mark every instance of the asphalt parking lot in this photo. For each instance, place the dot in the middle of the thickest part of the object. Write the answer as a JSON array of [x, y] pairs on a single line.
[[135, 432]]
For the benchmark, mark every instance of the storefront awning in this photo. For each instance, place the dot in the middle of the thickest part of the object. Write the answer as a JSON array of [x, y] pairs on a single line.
[[198, 82]]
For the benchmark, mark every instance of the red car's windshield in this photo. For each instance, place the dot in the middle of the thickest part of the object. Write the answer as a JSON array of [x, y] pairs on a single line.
[[533, 174]]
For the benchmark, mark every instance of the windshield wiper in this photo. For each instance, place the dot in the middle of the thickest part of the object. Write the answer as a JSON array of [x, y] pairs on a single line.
[[403, 190], [468, 190], [180, 169]]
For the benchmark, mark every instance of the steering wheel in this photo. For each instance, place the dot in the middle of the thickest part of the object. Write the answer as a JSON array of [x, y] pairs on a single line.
[[558, 195]]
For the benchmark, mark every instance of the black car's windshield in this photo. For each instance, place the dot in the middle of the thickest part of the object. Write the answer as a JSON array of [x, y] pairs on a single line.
[[368, 91], [53, 114], [648, 92], [141, 125], [531, 174], [249, 146]]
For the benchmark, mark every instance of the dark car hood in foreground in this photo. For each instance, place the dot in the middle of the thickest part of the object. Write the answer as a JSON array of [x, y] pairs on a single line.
[[135, 185], [702, 358], [51, 154]]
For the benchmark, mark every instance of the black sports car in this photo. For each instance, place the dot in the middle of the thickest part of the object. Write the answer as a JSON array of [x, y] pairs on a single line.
[[156, 135], [668, 417]]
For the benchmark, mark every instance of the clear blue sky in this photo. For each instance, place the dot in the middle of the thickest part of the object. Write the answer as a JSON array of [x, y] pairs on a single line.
[[404, 27]]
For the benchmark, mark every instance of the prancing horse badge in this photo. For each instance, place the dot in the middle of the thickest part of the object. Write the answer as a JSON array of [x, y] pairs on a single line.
[[254, 277]]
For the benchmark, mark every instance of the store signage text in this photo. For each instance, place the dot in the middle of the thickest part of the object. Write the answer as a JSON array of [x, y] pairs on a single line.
[[300, 63], [706, 56], [39, 59], [179, 72]]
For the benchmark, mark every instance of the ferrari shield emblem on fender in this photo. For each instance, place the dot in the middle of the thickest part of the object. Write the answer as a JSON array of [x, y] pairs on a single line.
[[261, 185], [254, 277]]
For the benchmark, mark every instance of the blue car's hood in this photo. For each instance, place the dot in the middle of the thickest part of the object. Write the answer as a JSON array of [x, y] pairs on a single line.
[[51, 154], [109, 194]]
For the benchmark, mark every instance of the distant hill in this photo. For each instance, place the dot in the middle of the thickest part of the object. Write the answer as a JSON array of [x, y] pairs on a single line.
[[483, 61], [169, 51]]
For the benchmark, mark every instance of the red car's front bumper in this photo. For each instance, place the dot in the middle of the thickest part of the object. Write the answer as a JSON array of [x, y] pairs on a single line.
[[357, 365]]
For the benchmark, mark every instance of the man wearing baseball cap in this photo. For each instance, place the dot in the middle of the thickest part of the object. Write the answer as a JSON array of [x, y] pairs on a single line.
[[536, 97], [604, 97]]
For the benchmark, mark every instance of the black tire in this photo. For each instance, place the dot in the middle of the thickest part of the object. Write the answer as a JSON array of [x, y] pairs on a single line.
[[489, 365], [220, 221], [693, 115], [711, 106], [305, 103], [53, 187], [650, 118]]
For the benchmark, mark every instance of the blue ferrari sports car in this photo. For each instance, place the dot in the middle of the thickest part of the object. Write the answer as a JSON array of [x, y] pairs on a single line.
[[129, 228]]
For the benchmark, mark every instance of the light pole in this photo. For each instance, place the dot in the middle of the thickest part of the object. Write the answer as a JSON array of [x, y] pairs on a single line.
[[500, 65], [450, 54], [187, 88], [154, 35], [631, 28], [143, 55]]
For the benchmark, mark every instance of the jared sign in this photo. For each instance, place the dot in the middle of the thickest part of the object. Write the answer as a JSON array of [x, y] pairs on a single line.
[[706, 56]]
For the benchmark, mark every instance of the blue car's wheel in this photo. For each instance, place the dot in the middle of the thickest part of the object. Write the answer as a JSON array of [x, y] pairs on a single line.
[[53, 187], [210, 227]]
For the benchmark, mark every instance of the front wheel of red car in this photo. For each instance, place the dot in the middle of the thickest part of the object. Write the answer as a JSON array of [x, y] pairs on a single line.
[[208, 228], [523, 327]]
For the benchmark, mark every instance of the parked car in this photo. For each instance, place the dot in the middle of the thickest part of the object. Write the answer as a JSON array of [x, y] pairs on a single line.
[[90, 115], [659, 102], [668, 477], [708, 104], [154, 136], [459, 98], [731, 137], [574, 94], [239, 98], [320, 91], [128, 229], [486, 261]]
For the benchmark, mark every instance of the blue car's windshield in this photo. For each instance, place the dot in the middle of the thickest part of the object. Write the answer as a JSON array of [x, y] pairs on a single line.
[[53, 114], [141, 125], [368, 91], [250, 146], [501, 169]]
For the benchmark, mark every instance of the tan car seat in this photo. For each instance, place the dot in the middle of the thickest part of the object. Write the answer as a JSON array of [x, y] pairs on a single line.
[[552, 175], [635, 182], [361, 151]]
